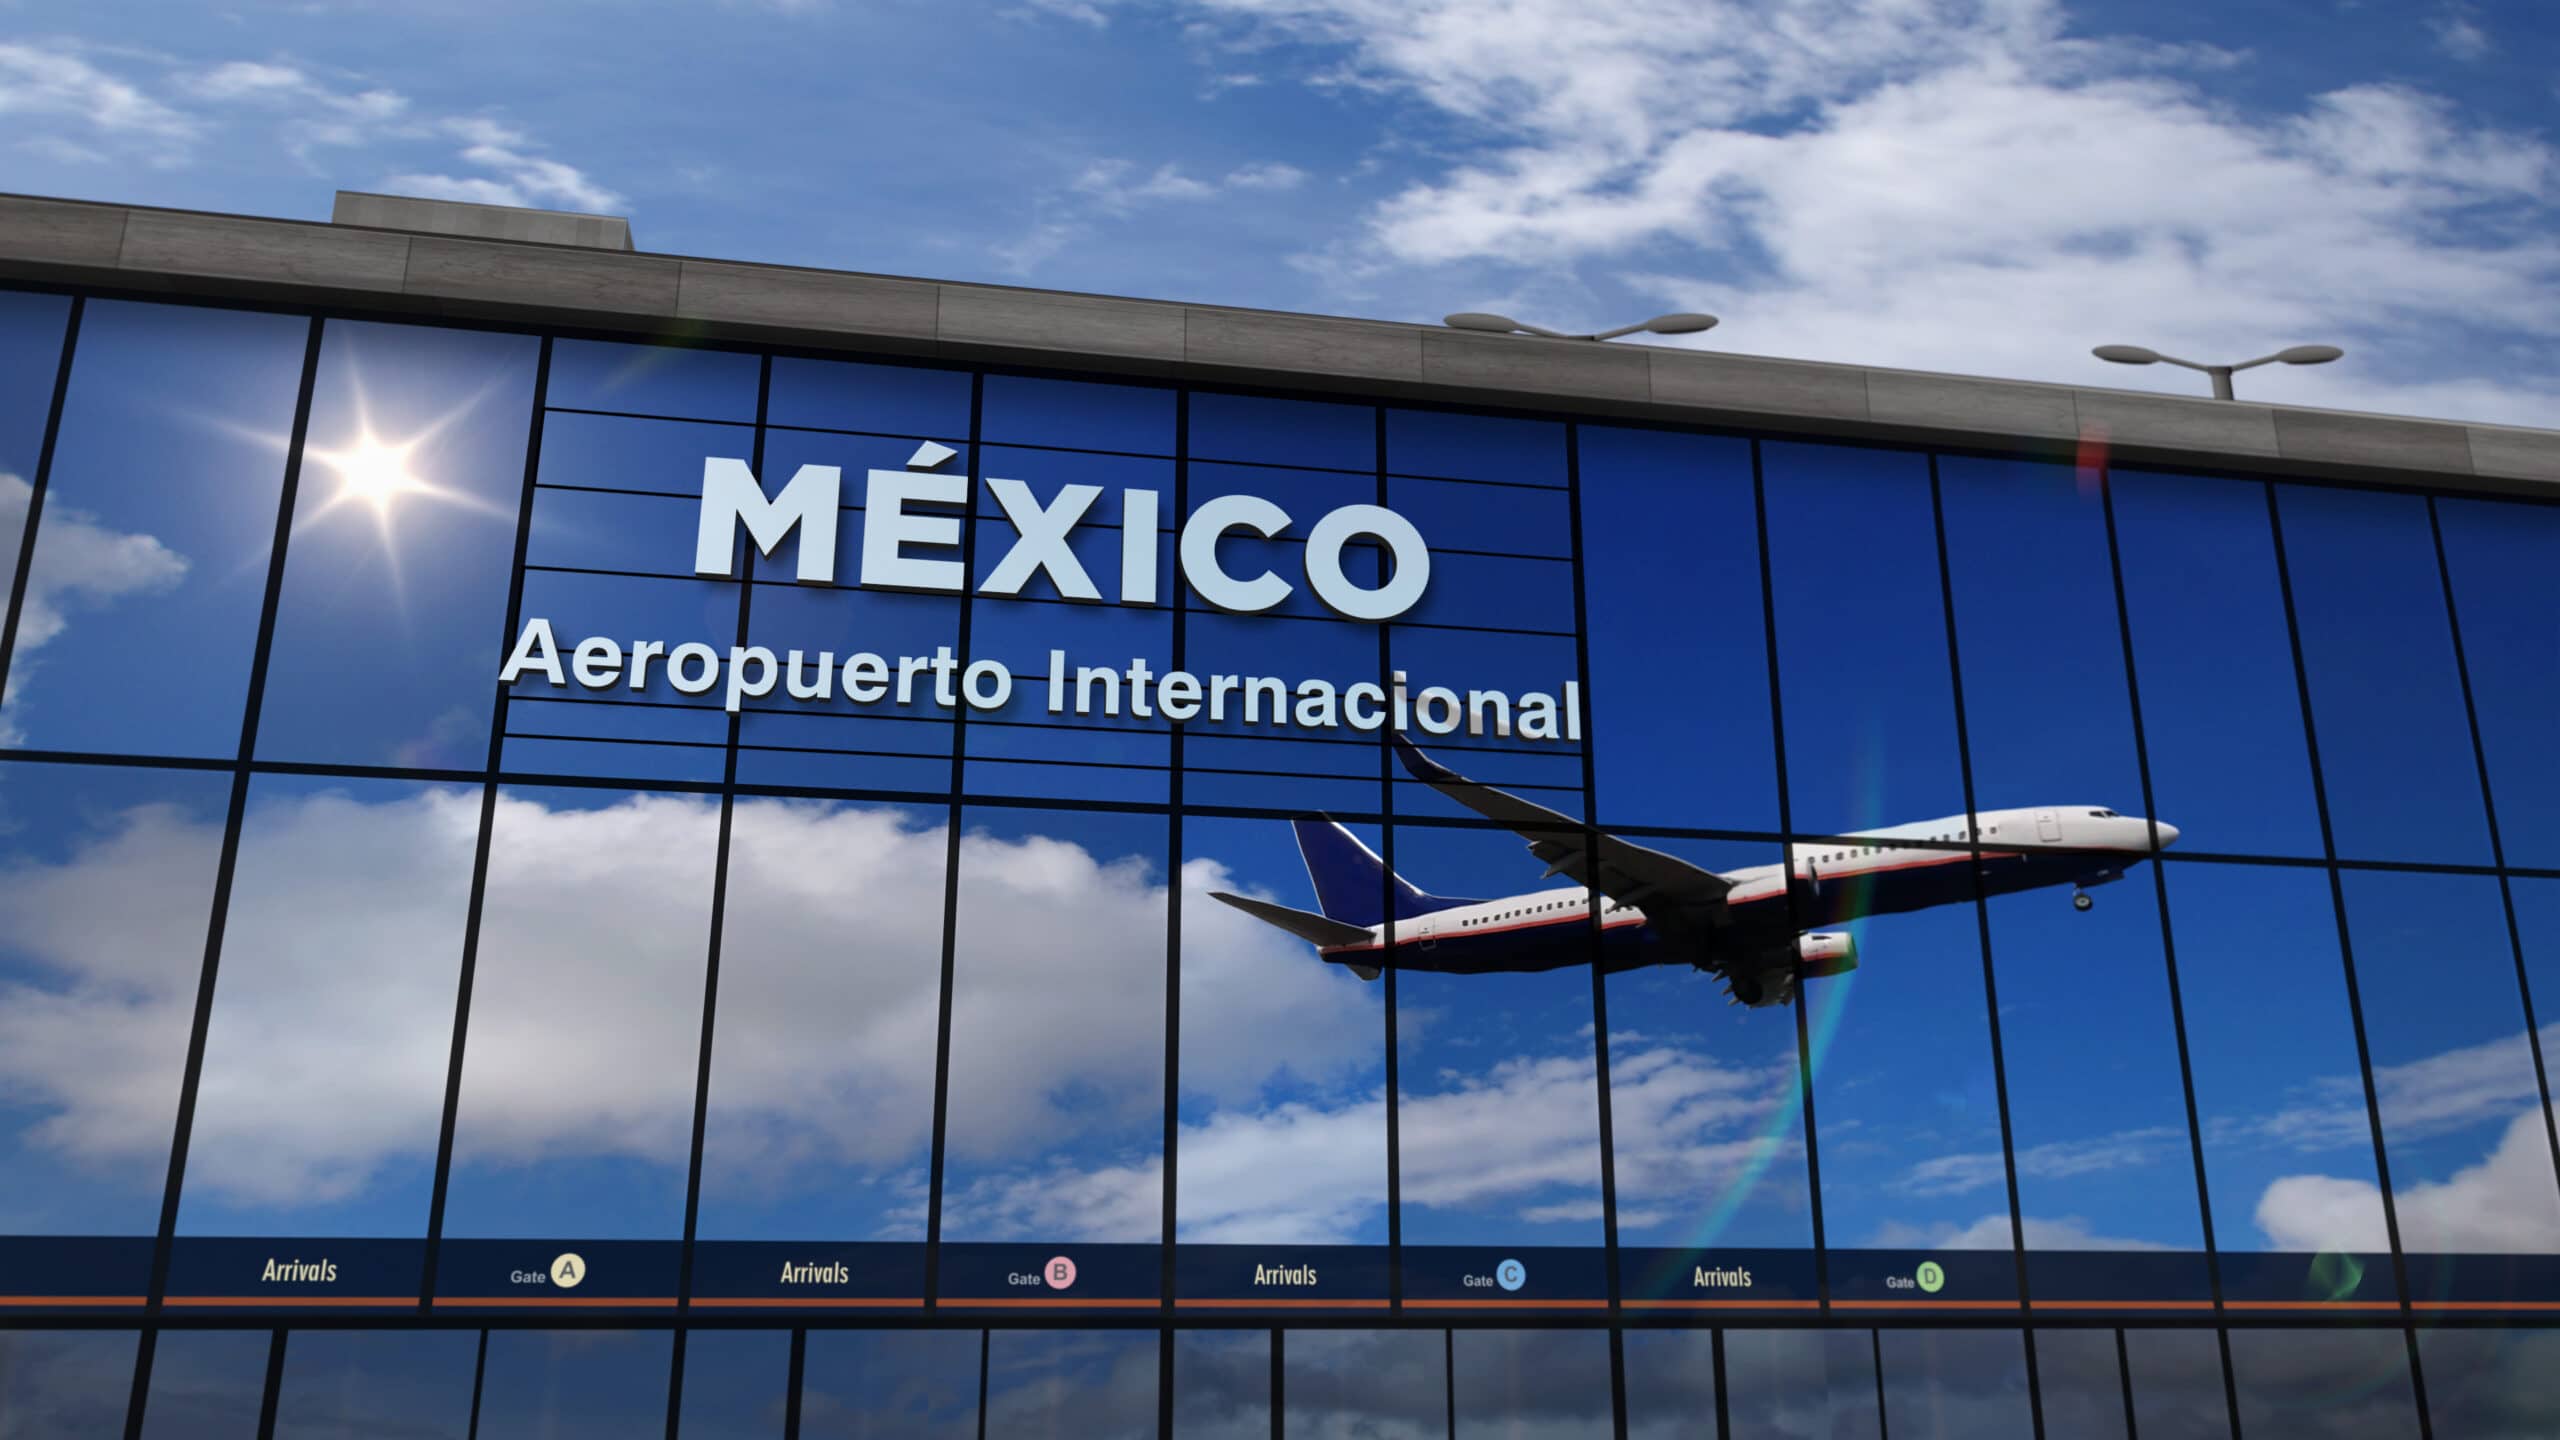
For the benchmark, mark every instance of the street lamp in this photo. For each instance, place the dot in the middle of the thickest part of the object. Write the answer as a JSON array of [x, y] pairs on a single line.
[[1683, 323], [2297, 355]]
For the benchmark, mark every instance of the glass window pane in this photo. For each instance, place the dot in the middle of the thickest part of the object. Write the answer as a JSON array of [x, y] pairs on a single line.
[[207, 1385], [2079, 1383], [890, 1385], [2491, 1384], [2462, 1116], [395, 583], [1955, 1385], [2177, 1385], [1364, 1385], [654, 379], [150, 566], [106, 885], [341, 1384], [737, 1385], [2221, 714], [575, 1384], [2323, 1384], [1084, 1384], [30, 353], [1802, 1384], [2395, 745], [1475, 447], [1671, 1384], [2096, 1105], [1881, 750], [1705, 1102], [1055, 1128], [340, 956], [2288, 1145], [821, 1116], [65, 1382], [883, 399], [1518, 1383], [1284, 1121], [1222, 1385], [1499, 1110], [2505, 595], [585, 1030], [1679, 652], [1268, 431], [1078, 415]]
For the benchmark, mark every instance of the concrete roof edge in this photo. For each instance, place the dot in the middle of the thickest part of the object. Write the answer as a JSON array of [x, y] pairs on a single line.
[[643, 292]]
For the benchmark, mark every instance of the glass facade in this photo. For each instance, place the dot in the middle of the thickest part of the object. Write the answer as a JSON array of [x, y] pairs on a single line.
[[560, 886]]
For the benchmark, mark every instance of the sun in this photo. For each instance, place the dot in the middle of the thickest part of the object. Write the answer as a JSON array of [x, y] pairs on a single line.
[[373, 471]]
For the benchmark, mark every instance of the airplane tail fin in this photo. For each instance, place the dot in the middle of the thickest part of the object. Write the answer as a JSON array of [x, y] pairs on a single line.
[[1353, 885]]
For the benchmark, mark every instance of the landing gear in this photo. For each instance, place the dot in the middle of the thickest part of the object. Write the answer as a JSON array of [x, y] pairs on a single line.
[[2082, 900]]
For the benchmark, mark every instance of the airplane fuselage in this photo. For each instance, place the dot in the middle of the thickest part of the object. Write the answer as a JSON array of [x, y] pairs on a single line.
[[1873, 872]]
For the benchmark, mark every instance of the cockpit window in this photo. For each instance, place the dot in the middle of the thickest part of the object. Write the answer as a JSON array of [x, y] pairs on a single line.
[[2106, 815]]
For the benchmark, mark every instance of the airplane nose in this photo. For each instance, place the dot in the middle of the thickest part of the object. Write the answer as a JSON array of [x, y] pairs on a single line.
[[2168, 834]]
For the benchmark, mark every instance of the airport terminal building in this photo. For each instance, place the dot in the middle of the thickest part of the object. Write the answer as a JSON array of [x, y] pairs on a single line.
[[602, 844]]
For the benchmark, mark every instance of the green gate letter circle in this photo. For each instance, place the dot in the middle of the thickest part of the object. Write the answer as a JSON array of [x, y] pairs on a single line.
[[1931, 1278]]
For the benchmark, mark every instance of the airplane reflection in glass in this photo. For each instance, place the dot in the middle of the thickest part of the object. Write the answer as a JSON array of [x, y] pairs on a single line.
[[1657, 909]]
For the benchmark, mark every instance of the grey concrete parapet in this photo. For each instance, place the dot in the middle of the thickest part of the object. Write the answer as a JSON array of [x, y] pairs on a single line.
[[480, 222], [391, 269]]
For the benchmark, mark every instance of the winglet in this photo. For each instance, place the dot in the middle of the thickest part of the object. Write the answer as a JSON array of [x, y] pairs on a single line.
[[1424, 768]]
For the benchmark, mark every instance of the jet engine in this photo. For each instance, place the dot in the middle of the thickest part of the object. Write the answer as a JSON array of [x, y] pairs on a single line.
[[1827, 954]]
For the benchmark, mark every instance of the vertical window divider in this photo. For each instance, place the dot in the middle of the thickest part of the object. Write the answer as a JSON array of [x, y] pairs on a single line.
[[275, 1384], [1387, 928], [1982, 927], [1875, 1353], [1173, 914], [2497, 842], [1279, 1382], [711, 954], [2169, 958], [951, 896], [2347, 953], [480, 1357], [468, 971], [1596, 915], [796, 1376], [37, 485], [1795, 919], [224, 868], [2124, 1371], [2160, 885], [1715, 1348]]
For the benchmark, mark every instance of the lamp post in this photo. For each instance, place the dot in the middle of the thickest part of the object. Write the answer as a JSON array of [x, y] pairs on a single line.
[[2296, 355], [1681, 323]]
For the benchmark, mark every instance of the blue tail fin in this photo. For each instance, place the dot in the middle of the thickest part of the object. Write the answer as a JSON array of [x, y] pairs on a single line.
[[1352, 883]]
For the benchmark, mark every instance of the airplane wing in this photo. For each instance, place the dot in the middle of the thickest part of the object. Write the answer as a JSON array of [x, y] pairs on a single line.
[[1623, 871]]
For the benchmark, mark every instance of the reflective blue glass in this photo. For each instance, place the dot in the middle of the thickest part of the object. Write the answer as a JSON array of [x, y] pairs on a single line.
[[106, 887], [586, 1017], [670, 380], [575, 1384], [1283, 432], [395, 580], [206, 1385], [2507, 596], [737, 1385], [890, 1385], [1222, 1385], [65, 1382], [1078, 415], [2395, 745], [1084, 1383], [31, 329], [344, 1383], [150, 563], [1679, 652], [881, 399], [1475, 447]]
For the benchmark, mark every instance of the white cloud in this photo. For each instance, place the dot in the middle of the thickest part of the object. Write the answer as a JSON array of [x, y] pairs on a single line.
[[75, 105], [1955, 184], [80, 565], [52, 93], [1991, 1232], [2504, 1204], [2055, 1160], [2459, 35], [1115, 189]]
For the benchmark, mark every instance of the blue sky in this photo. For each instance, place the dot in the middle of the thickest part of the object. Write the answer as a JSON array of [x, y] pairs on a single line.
[[1978, 185]]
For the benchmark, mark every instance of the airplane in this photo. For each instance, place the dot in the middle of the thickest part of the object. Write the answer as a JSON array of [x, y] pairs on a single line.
[[1756, 928]]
